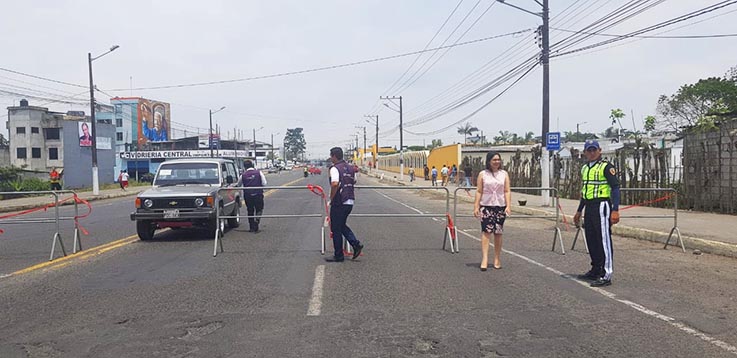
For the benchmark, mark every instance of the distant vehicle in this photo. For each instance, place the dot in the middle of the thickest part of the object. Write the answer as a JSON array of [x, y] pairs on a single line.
[[273, 170], [185, 194], [288, 167]]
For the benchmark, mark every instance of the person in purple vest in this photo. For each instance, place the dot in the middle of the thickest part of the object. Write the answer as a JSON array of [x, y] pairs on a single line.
[[254, 197], [342, 179]]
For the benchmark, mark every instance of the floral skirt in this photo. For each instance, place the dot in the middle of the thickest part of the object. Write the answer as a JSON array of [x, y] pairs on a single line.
[[492, 219]]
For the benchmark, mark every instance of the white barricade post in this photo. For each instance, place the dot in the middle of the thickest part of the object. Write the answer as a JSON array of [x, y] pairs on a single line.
[[447, 238], [316, 189], [557, 236], [674, 229], [56, 220]]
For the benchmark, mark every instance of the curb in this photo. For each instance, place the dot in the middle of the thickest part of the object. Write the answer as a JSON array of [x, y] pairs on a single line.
[[690, 242]]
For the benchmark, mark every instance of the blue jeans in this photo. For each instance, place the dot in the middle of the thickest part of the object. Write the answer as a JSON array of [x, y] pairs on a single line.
[[339, 227], [468, 181]]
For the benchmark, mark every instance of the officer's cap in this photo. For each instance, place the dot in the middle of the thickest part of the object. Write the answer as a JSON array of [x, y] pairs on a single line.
[[591, 143]]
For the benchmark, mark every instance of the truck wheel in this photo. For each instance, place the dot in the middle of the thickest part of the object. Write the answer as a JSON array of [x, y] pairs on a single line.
[[234, 223], [213, 224], [145, 229]]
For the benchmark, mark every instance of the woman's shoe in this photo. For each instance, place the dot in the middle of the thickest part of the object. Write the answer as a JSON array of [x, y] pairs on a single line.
[[482, 268]]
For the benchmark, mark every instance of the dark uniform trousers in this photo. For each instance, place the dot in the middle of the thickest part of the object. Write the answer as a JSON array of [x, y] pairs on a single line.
[[598, 230], [255, 206], [339, 227]]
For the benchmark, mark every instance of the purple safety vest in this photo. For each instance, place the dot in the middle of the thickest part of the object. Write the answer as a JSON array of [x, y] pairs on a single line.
[[252, 178], [346, 179]]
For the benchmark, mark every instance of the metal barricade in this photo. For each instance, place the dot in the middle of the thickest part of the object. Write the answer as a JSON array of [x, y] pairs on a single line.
[[674, 229], [448, 236], [57, 219], [313, 188], [557, 236]]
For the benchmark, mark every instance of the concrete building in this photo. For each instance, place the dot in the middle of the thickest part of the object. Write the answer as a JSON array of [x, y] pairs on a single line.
[[40, 140]]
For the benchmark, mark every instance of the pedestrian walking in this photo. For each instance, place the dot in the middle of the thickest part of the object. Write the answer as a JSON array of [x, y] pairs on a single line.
[[123, 179], [55, 179], [453, 174], [468, 172], [427, 172], [342, 197], [444, 175], [411, 174], [493, 205], [253, 178], [600, 200], [434, 175]]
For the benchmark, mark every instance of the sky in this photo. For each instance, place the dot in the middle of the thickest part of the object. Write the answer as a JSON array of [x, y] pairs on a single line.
[[183, 42]]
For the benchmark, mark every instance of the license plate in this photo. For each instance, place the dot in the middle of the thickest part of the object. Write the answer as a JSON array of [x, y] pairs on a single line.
[[171, 214]]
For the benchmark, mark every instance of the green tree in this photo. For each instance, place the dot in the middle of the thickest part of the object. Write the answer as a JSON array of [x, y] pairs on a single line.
[[650, 123], [697, 104], [504, 137], [435, 143], [467, 130], [294, 143], [578, 137]]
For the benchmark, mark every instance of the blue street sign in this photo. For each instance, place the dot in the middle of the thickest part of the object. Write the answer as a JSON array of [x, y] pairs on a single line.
[[553, 141]]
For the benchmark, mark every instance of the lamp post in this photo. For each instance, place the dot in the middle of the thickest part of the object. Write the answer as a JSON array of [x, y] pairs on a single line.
[[577, 124], [95, 175], [254, 146], [401, 134], [376, 121], [210, 136], [545, 60], [272, 148]]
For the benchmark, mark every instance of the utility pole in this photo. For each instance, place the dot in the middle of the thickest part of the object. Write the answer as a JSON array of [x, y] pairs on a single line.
[[376, 121], [545, 61], [254, 148], [209, 140], [95, 174], [401, 136], [363, 158]]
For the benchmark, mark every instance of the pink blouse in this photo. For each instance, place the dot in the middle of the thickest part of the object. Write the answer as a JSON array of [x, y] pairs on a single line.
[[493, 192]]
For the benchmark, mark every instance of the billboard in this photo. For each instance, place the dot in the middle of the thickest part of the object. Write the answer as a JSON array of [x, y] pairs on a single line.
[[154, 121], [85, 134]]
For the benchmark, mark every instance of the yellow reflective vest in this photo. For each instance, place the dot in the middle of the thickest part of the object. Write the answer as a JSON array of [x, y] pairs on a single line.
[[595, 185]]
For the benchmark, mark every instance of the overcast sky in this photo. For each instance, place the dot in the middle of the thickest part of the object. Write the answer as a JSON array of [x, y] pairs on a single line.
[[181, 42]]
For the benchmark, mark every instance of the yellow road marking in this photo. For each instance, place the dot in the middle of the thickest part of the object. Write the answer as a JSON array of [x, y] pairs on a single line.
[[97, 250], [63, 261]]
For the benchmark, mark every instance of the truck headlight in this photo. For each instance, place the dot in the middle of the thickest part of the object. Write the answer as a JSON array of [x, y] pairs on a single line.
[[148, 203], [199, 202]]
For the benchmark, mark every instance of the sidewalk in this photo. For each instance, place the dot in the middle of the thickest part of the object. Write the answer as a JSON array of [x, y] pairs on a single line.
[[707, 232], [10, 205]]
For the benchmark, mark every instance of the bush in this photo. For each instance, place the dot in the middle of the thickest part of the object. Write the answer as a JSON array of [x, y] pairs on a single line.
[[35, 184]]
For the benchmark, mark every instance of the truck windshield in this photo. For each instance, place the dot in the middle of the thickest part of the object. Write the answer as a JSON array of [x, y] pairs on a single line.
[[187, 173]]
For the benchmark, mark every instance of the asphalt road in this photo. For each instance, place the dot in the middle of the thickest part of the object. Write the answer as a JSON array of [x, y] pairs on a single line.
[[271, 294]]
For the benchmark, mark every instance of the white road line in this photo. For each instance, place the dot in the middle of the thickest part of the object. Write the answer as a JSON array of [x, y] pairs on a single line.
[[316, 300], [636, 306], [399, 202], [5, 275]]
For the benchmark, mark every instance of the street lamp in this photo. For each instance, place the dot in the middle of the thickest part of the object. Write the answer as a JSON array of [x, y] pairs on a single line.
[[401, 133], [375, 119], [95, 176], [577, 124], [210, 136], [254, 145], [272, 147]]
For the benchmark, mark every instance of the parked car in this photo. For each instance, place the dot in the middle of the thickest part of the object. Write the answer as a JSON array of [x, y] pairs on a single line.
[[273, 170], [185, 193]]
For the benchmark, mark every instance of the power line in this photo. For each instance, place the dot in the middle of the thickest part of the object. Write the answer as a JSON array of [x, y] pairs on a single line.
[[42, 78], [325, 68], [480, 108], [655, 36], [426, 46], [669, 22]]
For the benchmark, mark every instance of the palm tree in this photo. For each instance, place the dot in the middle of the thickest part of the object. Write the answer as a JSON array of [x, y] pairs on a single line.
[[467, 129]]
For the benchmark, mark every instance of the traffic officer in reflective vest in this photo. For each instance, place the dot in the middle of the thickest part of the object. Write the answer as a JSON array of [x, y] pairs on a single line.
[[600, 198], [342, 179], [54, 179], [254, 197]]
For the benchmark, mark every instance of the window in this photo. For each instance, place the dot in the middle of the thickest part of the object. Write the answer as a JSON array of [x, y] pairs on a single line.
[[20, 130], [34, 130], [119, 122], [35, 152], [53, 153], [119, 136], [52, 133], [20, 153]]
